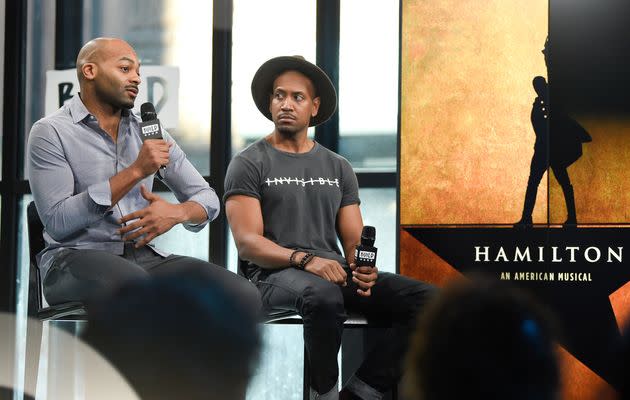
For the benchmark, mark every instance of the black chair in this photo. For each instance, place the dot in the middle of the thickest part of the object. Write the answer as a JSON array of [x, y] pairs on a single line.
[[71, 310]]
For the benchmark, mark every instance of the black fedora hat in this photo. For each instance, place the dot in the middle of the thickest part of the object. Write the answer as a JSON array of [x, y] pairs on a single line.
[[262, 85]]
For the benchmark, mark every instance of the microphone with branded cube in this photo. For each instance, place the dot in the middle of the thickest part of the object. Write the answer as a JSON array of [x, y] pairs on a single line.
[[365, 252], [150, 127]]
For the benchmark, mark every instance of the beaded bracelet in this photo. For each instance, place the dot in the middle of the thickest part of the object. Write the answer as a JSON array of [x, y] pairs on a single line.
[[305, 260], [292, 262]]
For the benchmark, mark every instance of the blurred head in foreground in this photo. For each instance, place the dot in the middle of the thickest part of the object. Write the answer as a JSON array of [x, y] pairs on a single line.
[[482, 339], [177, 337]]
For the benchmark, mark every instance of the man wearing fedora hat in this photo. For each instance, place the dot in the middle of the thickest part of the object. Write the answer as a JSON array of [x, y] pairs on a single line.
[[287, 200]]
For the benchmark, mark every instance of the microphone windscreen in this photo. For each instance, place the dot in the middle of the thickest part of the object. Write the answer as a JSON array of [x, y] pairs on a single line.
[[368, 235], [147, 112]]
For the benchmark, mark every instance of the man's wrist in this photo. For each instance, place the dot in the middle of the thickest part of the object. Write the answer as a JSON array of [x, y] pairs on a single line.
[[193, 213], [308, 257], [184, 212], [136, 172], [294, 257]]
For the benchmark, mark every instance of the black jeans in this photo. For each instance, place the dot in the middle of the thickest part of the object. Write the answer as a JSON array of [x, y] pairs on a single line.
[[395, 301], [86, 275]]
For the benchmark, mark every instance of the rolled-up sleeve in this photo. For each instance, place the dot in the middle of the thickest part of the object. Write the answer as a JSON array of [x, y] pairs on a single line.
[[52, 183], [188, 185], [101, 193]]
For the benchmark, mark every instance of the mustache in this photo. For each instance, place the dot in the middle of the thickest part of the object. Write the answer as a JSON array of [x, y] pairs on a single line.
[[286, 115]]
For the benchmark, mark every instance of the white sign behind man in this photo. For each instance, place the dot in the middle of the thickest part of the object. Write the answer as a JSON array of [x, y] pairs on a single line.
[[160, 86]]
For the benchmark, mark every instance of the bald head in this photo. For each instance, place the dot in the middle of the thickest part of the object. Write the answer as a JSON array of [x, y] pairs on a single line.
[[108, 70], [97, 50]]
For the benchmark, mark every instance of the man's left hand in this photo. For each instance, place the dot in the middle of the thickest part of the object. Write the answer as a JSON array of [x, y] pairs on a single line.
[[365, 278], [152, 221]]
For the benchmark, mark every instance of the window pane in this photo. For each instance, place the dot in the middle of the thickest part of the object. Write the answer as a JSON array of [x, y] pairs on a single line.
[[23, 259], [21, 293], [163, 33], [368, 84], [40, 57], [378, 207], [257, 38], [280, 371], [168, 32]]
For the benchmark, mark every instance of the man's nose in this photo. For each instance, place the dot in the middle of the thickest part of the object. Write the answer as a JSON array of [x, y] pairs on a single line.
[[286, 104], [136, 79]]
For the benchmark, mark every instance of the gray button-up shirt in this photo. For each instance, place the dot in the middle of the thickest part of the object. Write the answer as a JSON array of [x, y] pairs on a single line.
[[71, 160]]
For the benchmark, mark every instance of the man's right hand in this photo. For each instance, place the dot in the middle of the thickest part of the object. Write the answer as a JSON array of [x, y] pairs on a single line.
[[152, 156], [327, 269]]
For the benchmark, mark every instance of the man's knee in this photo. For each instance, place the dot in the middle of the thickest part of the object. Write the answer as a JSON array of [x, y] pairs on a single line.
[[416, 296], [425, 292], [323, 298], [83, 275], [250, 296], [235, 286]]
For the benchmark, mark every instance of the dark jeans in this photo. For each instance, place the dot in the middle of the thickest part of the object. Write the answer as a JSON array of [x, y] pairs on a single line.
[[86, 275], [395, 301]]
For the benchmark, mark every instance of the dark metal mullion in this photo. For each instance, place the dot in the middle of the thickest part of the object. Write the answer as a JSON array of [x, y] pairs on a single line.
[[398, 136], [377, 179], [327, 42], [12, 146], [68, 32], [220, 135]]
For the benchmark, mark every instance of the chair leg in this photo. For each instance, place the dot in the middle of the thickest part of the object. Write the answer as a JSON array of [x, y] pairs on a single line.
[[307, 378], [32, 354], [41, 391]]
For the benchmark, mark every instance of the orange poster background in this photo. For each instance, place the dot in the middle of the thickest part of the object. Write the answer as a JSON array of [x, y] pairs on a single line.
[[467, 141], [466, 136]]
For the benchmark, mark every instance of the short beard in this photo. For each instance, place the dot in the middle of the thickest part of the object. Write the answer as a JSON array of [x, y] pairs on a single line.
[[127, 105], [114, 100], [287, 132]]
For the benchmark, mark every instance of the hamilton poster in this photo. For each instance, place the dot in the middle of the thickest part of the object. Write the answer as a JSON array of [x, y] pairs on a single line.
[[515, 160]]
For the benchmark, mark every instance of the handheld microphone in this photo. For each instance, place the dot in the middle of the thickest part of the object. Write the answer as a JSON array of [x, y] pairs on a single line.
[[365, 253], [150, 127]]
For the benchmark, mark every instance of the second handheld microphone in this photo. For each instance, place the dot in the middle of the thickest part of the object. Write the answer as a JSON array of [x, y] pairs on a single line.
[[365, 253]]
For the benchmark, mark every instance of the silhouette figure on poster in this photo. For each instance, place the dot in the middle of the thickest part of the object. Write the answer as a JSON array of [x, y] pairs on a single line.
[[558, 144]]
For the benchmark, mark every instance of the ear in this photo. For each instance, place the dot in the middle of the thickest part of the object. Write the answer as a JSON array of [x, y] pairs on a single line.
[[316, 102], [89, 71]]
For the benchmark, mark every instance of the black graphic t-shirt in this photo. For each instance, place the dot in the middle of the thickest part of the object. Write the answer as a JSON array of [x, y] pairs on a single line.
[[300, 194]]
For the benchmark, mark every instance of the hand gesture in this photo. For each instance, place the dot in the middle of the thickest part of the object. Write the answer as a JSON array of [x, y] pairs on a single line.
[[155, 219], [365, 278]]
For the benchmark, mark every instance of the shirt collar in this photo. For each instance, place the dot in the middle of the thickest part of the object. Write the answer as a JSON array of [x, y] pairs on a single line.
[[79, 112]]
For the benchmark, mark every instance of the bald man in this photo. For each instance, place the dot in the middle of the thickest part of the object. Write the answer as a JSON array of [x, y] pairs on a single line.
[[91, 177]]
